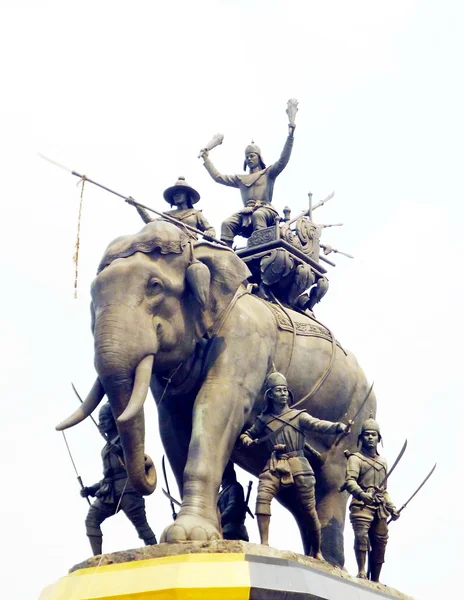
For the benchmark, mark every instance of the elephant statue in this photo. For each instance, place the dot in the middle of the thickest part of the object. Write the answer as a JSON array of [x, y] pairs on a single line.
[[177, 315]]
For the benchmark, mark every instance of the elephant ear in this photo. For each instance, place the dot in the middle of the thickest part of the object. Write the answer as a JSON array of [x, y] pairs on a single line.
[[227, 273]]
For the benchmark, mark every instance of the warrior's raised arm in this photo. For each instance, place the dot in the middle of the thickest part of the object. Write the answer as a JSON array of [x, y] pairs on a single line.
[[256, 187]]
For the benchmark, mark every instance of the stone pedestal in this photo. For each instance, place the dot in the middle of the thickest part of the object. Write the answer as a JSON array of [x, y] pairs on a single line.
[[220, 570]]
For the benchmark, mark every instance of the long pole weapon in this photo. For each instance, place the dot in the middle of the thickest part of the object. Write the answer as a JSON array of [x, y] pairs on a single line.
[[79, 478], [307, 213], [416, 492], [132, 201]]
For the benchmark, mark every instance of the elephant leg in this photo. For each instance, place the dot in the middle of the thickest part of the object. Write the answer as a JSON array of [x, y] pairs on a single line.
[[214, 433], [175, 425], [225, 400]]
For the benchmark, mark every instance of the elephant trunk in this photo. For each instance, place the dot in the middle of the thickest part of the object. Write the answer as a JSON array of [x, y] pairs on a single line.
[[126, 379]]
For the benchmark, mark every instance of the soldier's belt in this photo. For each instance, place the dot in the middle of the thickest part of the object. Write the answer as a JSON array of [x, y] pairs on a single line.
[[287, 455]]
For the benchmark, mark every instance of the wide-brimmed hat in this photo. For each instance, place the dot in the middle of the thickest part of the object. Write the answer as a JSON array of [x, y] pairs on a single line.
[[181, 185]]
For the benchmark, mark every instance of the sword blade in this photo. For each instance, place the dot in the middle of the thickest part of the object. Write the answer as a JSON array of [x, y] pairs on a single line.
[[398, 458], [418, 489], [342, 435]]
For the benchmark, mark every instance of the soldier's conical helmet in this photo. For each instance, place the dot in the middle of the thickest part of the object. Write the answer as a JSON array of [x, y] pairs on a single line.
[[275, 379], [370, 424], [253, 148]]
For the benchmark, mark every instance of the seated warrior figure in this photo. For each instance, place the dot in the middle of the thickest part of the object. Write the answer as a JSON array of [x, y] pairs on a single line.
[[114, 492], [287, 465], [231, 504], [183, 197], [370, 506], [256, 189]]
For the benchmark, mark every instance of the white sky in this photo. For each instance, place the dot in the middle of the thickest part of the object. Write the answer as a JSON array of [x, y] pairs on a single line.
[[127, 93]]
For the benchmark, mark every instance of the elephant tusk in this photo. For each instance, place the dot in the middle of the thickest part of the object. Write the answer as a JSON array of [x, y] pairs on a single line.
[[94, 398], [140, 390]]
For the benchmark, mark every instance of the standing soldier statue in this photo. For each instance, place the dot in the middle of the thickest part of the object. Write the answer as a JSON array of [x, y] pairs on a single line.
[[232, 506], [256, 187], [183, 197], [371, 505], [283, 430], [114, 492]]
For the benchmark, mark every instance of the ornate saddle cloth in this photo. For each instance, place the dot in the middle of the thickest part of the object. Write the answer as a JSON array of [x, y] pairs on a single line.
[[301, 327]]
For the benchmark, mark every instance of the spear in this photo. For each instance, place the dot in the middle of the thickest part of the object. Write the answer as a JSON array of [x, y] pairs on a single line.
[[79, 478], [131, 200], [306, 213]]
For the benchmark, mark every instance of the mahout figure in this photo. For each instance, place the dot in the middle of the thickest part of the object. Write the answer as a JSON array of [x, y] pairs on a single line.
[[256, 187], [232, 506], [114, 492], [183, 197], [371, 505], [283, 430]]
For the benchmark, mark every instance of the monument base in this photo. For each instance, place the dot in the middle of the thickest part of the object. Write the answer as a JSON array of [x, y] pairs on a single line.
[[225, 570]]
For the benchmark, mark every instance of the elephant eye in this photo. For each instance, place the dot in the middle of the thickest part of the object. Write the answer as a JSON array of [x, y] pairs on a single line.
[[154, 286]]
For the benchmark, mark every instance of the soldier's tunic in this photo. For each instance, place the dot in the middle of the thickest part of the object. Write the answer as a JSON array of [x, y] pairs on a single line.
[[231, 504], [365, 474], [189, 216], [114, 493], [256, 190], [289, 466]]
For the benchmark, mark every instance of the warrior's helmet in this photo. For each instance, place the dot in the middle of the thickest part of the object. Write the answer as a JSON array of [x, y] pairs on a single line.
[[370, 424], [272, 381], [254, 148]]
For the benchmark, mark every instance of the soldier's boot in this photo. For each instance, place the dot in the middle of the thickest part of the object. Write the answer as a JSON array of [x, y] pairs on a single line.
[[361, 560], [375, 569], [96, 543], [263, 526]]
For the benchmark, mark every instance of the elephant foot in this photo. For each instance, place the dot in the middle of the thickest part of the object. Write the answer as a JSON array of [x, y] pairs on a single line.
[[191, 528]]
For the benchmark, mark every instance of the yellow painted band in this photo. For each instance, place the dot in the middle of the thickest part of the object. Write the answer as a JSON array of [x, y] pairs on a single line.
[[189, 577]]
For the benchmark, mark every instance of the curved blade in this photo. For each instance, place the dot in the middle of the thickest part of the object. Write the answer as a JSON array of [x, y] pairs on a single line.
[[398, 458], [419, 488], [351, 421]]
